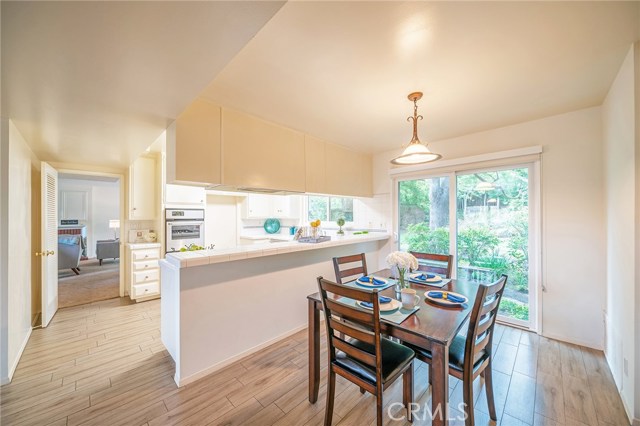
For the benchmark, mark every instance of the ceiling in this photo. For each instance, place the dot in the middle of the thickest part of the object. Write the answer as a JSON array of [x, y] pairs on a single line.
[[342, 71], [97, 82]]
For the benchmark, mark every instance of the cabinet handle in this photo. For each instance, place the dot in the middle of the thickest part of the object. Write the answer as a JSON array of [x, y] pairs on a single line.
[[146, 277], [134, 209], [146, 255], [146, 266], [146, 290]]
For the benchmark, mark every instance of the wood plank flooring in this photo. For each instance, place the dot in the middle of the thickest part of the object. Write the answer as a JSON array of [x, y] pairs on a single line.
[[104, 364]]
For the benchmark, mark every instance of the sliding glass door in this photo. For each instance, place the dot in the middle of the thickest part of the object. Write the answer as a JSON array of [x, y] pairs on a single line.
[[491, 213]]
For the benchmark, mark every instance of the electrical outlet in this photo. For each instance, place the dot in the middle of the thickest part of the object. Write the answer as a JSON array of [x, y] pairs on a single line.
[[626, 367]]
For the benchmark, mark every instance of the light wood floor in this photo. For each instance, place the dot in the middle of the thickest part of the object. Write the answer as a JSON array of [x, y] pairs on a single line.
[[104, 364]]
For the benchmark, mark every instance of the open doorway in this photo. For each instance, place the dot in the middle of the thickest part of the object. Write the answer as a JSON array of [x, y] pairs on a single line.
[[88, 238]]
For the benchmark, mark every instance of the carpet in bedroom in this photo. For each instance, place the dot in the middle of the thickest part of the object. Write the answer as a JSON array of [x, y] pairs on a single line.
[[94, 283]]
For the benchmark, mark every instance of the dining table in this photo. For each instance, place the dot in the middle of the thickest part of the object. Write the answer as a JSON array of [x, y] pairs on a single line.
[[431, 327]]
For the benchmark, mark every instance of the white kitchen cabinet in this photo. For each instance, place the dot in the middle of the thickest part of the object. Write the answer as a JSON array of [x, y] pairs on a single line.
[[259, 206], [143, 271], [181, 195], [142, 189]]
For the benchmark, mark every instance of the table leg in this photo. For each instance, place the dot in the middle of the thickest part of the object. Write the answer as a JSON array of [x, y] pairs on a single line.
[[314, 351], [440, 384]]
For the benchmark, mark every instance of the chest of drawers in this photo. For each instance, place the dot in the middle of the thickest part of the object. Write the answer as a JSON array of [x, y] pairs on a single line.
[[143, 273]]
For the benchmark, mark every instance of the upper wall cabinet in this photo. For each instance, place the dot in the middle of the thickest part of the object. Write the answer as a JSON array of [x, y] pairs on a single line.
[[259, 154], [193, 145], [315, 168], [142, 189], [347, 172]]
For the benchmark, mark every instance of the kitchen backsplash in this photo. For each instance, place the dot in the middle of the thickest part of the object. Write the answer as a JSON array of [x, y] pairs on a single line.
[[369, 213]]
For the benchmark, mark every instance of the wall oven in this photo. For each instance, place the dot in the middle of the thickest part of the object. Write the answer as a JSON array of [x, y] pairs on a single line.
[[184, 227]]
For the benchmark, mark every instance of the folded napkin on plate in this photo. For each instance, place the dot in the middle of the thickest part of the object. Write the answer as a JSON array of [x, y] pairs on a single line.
[[424, 277], [372, 280], [451, 297], [383, 299]]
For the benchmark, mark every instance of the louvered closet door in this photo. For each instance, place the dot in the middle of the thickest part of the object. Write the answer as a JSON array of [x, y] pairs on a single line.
[[49, 254]]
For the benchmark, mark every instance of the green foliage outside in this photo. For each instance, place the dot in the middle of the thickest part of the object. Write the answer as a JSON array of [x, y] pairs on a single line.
[[514, 309]]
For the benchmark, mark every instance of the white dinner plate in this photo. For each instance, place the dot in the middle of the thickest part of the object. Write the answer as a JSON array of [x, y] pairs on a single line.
[[372, 285], [446, 302], [384, 307]]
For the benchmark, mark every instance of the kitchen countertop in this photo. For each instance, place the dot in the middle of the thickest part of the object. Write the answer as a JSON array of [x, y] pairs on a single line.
[[205, 257]]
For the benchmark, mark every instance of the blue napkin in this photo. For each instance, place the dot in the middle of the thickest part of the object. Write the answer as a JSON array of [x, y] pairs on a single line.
[[383, 299], [451, 297], [424, 277], [372, 280]]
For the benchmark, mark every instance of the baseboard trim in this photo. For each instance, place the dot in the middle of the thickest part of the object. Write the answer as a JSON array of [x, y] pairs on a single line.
[[192, 378], [591, 345], [20, 351]]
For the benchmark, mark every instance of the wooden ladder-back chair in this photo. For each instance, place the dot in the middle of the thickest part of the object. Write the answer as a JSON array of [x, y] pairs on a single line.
[[471, 356], [369, 361], [360, 269], [440, 264]]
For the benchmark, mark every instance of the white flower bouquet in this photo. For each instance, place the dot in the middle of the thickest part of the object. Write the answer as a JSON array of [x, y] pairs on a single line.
[[403, 262]]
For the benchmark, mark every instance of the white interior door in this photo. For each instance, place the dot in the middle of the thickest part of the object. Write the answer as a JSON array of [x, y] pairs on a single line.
[[49, 254]]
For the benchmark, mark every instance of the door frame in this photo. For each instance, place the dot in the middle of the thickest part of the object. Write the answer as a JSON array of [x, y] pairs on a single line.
[[122, 214], [527, 157]]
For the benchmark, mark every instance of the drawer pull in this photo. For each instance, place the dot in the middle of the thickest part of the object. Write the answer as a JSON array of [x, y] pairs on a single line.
[[146, 290], [146, 255], [146, 277]]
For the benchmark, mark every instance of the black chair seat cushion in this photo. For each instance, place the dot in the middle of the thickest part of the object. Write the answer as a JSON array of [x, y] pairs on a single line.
[[395, 357], [456, 353]]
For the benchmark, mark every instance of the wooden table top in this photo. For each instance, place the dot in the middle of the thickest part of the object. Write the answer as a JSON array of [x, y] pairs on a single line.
[[432, 322]]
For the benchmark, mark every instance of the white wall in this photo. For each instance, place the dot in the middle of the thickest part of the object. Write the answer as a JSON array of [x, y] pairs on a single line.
[[103, 205], [573, 235], [618, 117], [4, 244], [221, 221], [21, 161]]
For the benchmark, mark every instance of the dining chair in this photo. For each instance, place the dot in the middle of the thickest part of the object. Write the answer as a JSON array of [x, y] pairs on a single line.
[[471, 355], [359, 269], [367, 359], [440, 264]]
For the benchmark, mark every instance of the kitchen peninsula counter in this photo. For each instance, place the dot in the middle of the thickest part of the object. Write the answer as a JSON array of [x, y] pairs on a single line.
[[218, 306], [204, 257]]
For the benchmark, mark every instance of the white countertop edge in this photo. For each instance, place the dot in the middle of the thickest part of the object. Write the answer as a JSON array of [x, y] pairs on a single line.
[[137, 246], [205, 257]]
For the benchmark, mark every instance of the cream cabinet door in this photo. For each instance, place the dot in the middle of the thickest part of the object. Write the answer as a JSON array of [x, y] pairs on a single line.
[[258, 154], [347, 172], [142, 189], [315, 168], [193, 145]]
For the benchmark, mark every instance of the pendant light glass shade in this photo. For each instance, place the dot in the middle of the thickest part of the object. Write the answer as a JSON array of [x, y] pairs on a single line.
[[416, 152]]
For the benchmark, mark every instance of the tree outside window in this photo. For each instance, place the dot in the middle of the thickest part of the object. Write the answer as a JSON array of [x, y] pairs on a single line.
[[330, 208]]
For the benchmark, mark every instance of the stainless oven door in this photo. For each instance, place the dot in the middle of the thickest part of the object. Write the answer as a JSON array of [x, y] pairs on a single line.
[[181, 233]]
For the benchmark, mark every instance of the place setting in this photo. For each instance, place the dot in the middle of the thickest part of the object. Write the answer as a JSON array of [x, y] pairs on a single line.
[[391, 309], [371, 282], [447, 299], [428, 278]]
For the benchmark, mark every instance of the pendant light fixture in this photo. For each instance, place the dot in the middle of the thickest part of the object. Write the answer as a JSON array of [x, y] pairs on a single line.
[[416, 152]]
